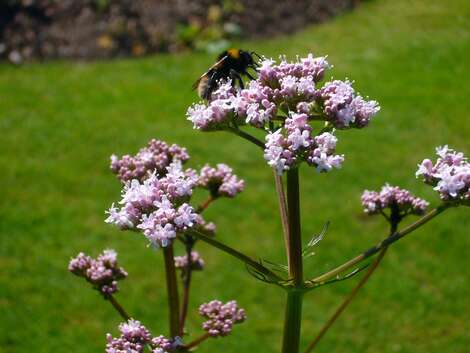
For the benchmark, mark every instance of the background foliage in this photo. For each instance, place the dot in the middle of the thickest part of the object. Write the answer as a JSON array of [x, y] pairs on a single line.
[[61, 121]]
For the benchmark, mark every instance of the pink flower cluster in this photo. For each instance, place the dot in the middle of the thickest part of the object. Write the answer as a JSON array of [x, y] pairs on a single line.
[[277, 85], [221, 317], [197, 263], [284, 100], [450, 175], [134, 337], [220, 181], [296, 144], [343, 107], [102, 272], [156, 156], [157, 205], [392, 196]]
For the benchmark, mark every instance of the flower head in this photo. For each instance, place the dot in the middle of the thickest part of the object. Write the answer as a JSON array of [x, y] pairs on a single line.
[[220, 181], [221, 317], [103, 272], [450, 175], [135, 336], [157, 205], [285, 100], [197, 263], [343, 107], [155, 157], [393, 197]]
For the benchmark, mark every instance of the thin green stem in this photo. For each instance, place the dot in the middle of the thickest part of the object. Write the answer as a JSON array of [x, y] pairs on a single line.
[[118, 307], [172, 291], [394, 220], [197, 341], [248, 137], [187, 274], [205, 204], [347, 301], [383, 244], [282, 209], [235, 253]]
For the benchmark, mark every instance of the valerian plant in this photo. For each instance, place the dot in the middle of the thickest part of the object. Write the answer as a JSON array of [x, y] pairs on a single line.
[[298, 116]]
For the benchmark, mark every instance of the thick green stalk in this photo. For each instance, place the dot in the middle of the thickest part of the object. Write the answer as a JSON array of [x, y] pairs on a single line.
[[294, 248], [292, 321], [293, 313], [172, 291]]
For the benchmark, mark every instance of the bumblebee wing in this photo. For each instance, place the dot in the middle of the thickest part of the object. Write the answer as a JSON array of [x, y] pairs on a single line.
[[209, 72]]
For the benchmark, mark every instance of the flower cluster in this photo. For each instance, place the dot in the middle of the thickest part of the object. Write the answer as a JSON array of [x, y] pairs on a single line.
[[102, 272], [196, 262], [158, 206], [343, 107], [220, 181], [259, 103], [134, 337], [450, 175], [285, 150], [221, 317], [285, 100], [392, 196], [156, 156]]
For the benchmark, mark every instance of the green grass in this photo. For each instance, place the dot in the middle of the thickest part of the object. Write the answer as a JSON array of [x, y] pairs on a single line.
[[60, 121]]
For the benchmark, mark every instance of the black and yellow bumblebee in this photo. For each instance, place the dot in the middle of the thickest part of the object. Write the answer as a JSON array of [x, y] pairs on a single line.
[[231, 64]]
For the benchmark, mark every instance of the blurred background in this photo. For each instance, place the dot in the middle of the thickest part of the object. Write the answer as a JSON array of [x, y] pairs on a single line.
[[65, 107]]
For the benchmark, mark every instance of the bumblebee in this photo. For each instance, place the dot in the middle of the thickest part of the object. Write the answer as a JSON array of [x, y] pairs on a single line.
[[231, 64]]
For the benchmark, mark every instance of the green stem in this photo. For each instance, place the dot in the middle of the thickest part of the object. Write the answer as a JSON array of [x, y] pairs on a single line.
[[347, 301], [292, 321], [383, 244], [282, 209], [235, 253], [394, 220], [294, 249], [248, 137], [204, 205], [197, 341], [172, 291], [187, 274], [118, 307], [293, 313]]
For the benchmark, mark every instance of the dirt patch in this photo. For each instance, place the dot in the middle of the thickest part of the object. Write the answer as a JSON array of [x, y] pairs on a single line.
[[88, 29]]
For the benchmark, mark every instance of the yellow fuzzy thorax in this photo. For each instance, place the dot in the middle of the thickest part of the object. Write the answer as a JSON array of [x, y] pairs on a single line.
[[234, 53]]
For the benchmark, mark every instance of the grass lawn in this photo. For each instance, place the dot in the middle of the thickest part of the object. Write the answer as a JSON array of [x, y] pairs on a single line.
[[60, 121]]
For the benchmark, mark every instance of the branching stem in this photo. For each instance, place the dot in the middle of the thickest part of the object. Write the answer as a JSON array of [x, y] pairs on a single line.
[[383, 244], [235, 253], [394, 220]]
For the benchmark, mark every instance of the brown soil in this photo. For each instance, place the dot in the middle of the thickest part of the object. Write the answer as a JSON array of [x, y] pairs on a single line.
[[87, 29]]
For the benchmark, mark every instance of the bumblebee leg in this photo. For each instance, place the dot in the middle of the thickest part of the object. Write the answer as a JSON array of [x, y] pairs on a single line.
[[235, 76], [248, 75]]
